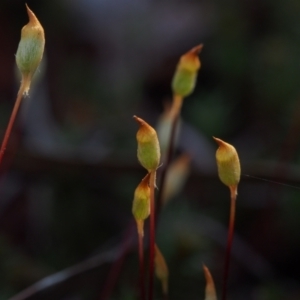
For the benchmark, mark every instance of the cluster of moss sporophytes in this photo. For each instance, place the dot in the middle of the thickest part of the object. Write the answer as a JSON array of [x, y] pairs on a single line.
[[148, 154], [28, 57]]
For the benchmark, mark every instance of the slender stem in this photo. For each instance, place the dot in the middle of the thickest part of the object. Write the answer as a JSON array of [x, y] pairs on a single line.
[[174, 114], [11, 121], [233, 194], [152, 233], [142, 268], [176, 106]]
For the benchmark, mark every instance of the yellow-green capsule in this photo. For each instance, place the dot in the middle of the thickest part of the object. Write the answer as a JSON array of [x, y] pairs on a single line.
[[141, 203], [228, 163], [31, 48], [148, 151], [141, 200], [184, 80]]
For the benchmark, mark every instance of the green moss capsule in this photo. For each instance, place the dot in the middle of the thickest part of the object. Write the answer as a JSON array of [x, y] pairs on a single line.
[[141, 200], [148, 151], [185, 76], [141, 204], [228, 163], [30, 50]]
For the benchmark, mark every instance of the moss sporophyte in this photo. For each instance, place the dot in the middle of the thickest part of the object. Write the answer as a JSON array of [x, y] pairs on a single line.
[[148, 151], [141, 203], [228, 163], [229, 170], [185, 76], [29, 54], [30, 50]]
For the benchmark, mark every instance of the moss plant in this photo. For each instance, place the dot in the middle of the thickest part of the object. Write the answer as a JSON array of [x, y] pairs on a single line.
[[30, 50], [148, 154], [29, 54], [148, 151], [141, 211], [28, 57], [183, 84], [229, 171]]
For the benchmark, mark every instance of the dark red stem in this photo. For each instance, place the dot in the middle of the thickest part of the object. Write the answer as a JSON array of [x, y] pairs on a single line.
[[142, 268], [152, 233], [11, 123], [229, 240]]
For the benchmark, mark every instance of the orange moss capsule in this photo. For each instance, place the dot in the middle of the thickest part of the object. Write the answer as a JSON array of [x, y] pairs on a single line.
[[185, 76], [30, 50], [148, 151]]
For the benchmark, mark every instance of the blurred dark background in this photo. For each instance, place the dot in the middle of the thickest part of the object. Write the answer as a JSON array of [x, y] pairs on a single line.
[[70, 170]]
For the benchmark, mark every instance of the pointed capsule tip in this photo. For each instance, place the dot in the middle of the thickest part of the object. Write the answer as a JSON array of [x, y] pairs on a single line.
[[197, 49], [139, 120], [210, 290], [32, 18], [207, 273], [219, 141]]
